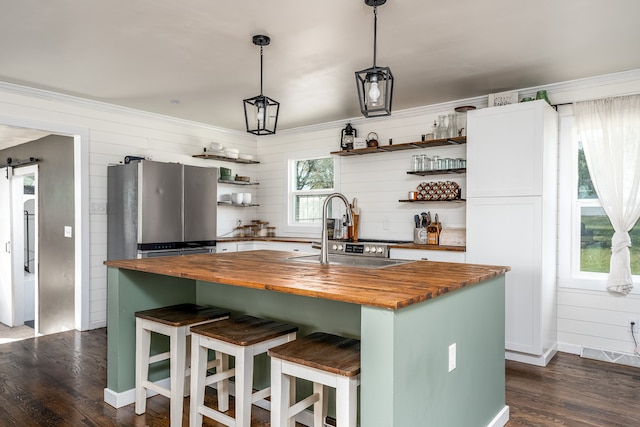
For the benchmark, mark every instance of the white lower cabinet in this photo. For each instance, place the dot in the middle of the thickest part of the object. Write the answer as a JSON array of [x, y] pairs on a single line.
[[222, 247], [292, 247], [277, 246], [429, 255]]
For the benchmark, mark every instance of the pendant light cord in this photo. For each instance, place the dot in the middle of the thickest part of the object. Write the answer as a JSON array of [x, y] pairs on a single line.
[[260, 70], [375, 32]]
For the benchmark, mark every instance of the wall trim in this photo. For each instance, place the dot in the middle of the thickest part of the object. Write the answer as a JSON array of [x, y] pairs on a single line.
[[104, 106], [501, 418], [570, 348]]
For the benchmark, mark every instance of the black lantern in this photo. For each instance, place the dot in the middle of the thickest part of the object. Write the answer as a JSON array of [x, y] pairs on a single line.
[[261, 112], [375, 84]]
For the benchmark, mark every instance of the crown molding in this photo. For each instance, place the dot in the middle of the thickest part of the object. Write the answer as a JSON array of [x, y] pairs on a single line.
[[105, 107]]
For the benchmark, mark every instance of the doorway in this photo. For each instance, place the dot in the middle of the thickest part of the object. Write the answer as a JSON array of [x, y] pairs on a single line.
[[19, 259], [63, 265]]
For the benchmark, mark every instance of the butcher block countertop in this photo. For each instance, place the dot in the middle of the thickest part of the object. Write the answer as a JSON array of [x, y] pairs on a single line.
[[392, 287]]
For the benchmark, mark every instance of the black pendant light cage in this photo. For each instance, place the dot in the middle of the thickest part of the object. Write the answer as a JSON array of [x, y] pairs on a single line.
[[261, 112], [375, 84]]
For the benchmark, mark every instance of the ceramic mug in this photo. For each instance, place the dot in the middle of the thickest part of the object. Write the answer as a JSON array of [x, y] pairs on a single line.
[[246, 198]]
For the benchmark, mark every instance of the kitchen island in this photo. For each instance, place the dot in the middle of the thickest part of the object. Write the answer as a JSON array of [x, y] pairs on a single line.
[[407, 316]]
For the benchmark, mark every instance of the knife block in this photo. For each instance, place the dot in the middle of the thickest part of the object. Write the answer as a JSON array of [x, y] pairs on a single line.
[[433, 233]]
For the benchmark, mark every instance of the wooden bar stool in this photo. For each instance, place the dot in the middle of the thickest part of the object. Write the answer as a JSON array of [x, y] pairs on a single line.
[[326, 360], [174, 322], [243, 337]]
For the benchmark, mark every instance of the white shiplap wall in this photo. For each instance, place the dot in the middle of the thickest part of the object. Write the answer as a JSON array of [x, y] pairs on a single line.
[[377, 180], [109, 134]]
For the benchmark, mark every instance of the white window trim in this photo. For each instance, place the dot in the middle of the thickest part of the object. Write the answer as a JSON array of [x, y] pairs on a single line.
[[569, 273], [313, 230]]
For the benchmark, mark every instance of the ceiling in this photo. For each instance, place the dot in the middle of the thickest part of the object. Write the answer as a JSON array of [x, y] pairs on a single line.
[[194, 59]]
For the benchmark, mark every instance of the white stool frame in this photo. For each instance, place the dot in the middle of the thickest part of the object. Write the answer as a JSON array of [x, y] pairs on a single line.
[[178, 365], [283, 406], [243, 372]]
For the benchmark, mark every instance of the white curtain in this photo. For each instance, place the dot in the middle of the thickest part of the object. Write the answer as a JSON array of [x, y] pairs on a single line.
[[610, 133]]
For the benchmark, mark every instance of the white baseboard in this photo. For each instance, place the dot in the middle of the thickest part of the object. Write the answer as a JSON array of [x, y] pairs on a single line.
[[127, 397], [569, 348], [501, 418], [542, 360]]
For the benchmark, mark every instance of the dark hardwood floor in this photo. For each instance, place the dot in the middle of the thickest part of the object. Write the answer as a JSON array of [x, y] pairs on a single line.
[[58, 380]]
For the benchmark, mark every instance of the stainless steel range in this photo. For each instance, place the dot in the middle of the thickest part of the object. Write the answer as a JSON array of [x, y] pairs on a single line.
[[371, 248]]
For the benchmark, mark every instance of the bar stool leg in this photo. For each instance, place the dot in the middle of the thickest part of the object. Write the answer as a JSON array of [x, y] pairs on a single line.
[[280, 396], [346, 401], [176, 365], [143, 336], [244, 387], [222, 387], [321, 406], [198, 371]]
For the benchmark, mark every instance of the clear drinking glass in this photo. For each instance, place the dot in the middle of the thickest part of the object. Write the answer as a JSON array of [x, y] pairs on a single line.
[[452, 127]]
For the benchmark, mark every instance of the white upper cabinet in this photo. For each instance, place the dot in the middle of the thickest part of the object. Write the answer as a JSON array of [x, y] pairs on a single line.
[[505, 149]]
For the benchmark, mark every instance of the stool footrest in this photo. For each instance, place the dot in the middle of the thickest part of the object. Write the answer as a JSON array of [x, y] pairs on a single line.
[[155, 387], [261, 394], [216, 416], [220, 376], [303, 404], [159, 357]]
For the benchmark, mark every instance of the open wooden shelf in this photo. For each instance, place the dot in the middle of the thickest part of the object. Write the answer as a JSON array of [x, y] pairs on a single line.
[[459, 140], [224, 159]]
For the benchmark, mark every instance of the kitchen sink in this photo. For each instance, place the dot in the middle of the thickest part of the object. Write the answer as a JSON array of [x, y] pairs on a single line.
[[352, 261]]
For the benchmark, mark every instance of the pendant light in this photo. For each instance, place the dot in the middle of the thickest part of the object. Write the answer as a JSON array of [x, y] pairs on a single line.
[[261, 112], [375, 84]]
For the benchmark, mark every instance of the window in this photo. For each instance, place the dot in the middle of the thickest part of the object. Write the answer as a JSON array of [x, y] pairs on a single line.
[[584, 230], [311, 180], [595, 228]]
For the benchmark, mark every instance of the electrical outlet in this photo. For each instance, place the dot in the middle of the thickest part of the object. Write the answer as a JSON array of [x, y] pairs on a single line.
[[452, 357], [635, 326]]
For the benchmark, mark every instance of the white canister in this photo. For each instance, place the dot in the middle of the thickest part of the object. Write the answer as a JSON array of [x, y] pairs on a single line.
[[237, 198], [246, 198]]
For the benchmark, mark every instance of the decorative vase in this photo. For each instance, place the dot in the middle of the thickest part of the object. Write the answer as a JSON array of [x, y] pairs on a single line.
[[542, 94]]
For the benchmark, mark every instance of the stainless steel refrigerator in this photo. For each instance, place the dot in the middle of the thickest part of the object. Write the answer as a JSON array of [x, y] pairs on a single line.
[[160, 209]]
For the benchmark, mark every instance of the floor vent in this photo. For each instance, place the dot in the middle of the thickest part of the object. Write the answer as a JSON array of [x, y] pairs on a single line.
[[611, 356]]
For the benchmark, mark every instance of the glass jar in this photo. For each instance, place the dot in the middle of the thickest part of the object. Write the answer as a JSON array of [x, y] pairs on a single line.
[[271, 231], [452, 127], [262, 229], [415, 162], [248, 231], [423, 162], [435, 163], [442, 127]]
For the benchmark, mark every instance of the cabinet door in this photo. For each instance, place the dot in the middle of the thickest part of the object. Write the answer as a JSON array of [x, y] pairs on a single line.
[[226, 247], [507, 231], [289, 246], [505, 149], [417, 254]]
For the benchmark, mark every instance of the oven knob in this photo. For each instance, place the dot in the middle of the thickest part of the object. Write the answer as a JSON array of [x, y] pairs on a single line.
[[367, 249], [380, 250], [340, 248], [334, 247]]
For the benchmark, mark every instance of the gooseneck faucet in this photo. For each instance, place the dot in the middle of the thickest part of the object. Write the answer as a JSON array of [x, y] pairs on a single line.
[[324, 250]]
